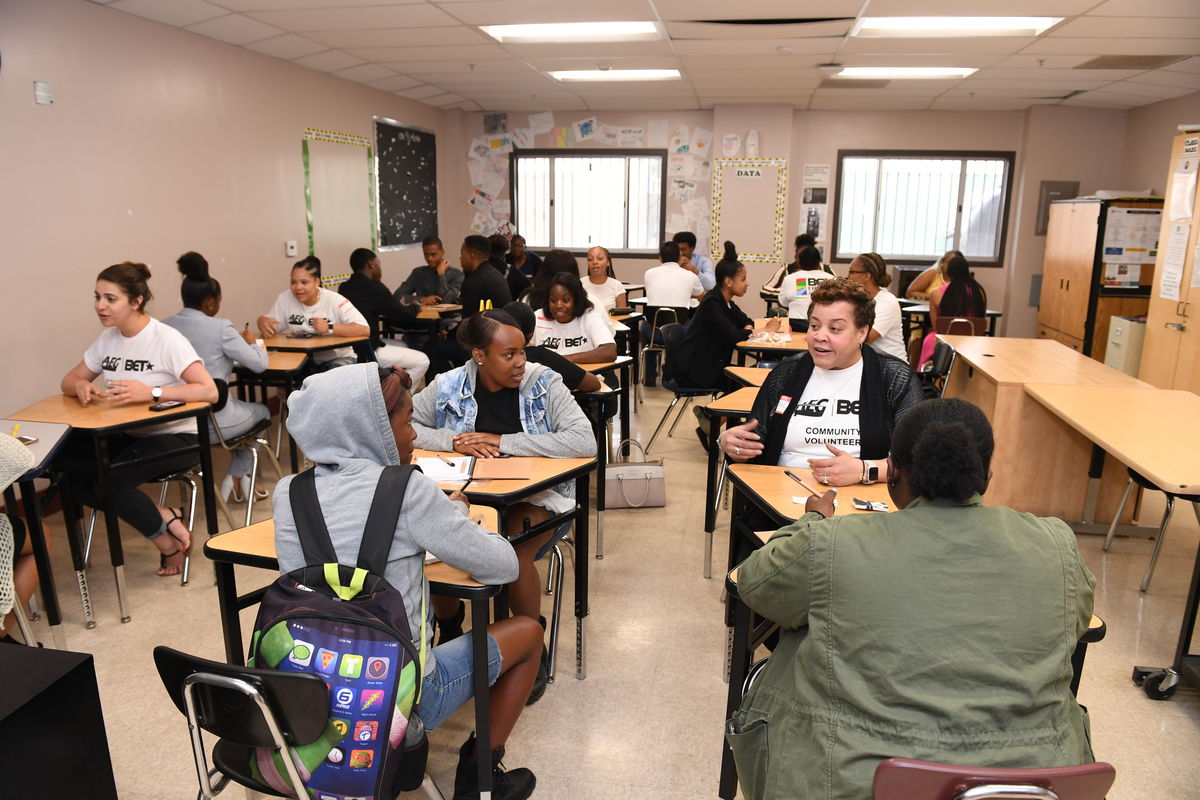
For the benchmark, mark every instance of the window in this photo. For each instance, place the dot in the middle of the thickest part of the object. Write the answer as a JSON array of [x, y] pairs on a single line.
[[914, 206], [578, 199]]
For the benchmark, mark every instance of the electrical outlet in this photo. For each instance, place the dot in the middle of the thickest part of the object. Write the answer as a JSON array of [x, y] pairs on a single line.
[[289, 248]]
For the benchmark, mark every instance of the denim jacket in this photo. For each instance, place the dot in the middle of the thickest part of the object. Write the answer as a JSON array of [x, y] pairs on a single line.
[[457, 409]]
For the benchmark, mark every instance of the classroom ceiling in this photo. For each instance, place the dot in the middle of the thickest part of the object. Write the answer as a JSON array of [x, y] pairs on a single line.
[[728, 52]]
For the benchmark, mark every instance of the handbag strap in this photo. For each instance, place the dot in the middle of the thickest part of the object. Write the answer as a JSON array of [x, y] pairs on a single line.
[[625, 497], [632, 443]]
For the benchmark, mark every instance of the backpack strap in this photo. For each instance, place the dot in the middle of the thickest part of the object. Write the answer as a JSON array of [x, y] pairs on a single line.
[[310, 520], [380, 529]]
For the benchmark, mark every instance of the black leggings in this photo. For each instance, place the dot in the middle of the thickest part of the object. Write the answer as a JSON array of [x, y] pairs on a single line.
[[131, 503]]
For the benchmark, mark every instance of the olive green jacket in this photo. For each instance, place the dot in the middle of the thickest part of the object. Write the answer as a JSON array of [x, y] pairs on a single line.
[[942, 632]]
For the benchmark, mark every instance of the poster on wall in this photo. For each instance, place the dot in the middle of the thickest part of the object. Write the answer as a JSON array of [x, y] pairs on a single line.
[[406, 163], [1131, 235], [1173, 260], [816, 174], [751, 212], [813, 221]]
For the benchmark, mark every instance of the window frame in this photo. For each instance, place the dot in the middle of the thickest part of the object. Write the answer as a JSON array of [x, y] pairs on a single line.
[[607, 152], [1008, 156]]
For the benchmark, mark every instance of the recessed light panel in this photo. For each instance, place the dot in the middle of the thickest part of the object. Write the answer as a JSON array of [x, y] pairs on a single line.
[[616, 75], [558, 32], [901, 73], [932, 27]]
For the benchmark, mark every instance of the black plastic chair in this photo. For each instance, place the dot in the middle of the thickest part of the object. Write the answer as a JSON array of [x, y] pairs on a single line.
[[1146, 483], [252, 440], [673, 336]]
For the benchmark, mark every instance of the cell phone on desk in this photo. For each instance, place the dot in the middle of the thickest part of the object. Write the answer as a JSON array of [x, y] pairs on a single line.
[[301, 335], [26, 440], [166, 405], [620, 312]]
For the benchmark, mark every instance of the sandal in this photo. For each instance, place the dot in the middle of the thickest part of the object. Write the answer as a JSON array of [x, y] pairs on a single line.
[[176, 514]]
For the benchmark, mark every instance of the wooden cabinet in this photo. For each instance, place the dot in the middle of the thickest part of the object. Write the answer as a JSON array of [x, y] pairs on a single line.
[[1075, 307], [1171, 354]]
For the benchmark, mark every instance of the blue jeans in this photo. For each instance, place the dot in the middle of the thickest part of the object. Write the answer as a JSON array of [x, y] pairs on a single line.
[[452, 684]]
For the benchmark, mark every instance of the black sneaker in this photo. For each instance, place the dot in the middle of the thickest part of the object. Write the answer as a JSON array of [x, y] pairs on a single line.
[[450, 629], [517, 784], [541, 681]]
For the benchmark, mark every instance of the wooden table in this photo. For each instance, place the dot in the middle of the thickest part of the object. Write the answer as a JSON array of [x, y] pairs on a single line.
[[1041, 464], [720, 412], [798, 343], [623, 366], [436, 310], [747, 376], [910, 310], [254, 546], [102, 419], [311, 344], [285, 370]]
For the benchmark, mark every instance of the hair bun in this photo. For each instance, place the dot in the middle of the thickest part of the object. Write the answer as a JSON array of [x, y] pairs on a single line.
[[730, 252], [142, 271], [193, 265]]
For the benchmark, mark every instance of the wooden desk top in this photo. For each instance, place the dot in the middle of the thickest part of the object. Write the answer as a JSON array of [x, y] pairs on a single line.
[[634, 286], [776, 489], [436, 310], [605, 366], [285, 362], [798, 343], [736, 402], [1020, 361], [258, 541], [749, 376], [543, 472], [282, 342], [100, 414], [1151, 430], [922, 307]]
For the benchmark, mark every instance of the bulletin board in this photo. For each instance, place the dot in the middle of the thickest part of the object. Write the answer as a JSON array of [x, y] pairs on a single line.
[[339, 198], [407, 169], [749, 207]]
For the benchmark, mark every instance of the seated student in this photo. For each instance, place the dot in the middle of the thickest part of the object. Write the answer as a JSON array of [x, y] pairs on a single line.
[[308, 308], [924, 285], [525, 260], [575, 377], [700, 265], [715, 327], [374, 412], [15, 460], [497, 404], [942, 631], [667, 286], [436, 282], [775, 282], [517, 281], [797, 286], [961, 296], [604, 290], [143, 361], [870, 271], [834, 408], [556, 261], [366, 291], [220, 346], [572, 326], [483, 286]]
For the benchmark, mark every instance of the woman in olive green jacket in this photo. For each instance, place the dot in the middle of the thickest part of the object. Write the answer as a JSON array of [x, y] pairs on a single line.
[[941, 632]]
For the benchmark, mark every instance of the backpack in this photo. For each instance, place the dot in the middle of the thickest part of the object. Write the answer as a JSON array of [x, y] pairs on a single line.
[[347, 625]]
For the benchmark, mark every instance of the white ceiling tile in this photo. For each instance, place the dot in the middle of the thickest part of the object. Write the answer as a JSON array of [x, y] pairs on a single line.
[[465, 54], [648, 89], [1148, 8], [534, 104], [549, 64], [521, 12], [889, 91], [288, 5], [985, 104], [966, 44], [802, 48], [707, 31], [1134, 28], [1001, 73], [977, 60], [1000, 93], [1150, 90], [234, 29], [1191, 65], [364, 73], [1161, 77], [443, 100], [760, 9], [489, 66], [366, 17], [873, 104], [749, 62], [953, 8], [1108, 100], [402, 37], [420, 92], [600, 49], [645, 104], [1036, 61], [171, 12], [985, 84], [735, 85], [709, 100], [482, 77], [395, 83], [470, 105], [288, 46], [329, 61], [1114, 46]]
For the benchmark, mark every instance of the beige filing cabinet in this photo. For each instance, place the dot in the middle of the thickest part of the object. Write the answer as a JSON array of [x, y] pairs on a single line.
[[1124, 351], [1075, 306]]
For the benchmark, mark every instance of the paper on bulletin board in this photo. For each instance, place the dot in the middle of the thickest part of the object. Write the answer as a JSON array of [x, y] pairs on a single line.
[[730, 145], [1173, 259], [681, 189], [630, 136], [700, 142], [679, 141], [657, 133], [677, 222], [541, 123], [522, 138], [1121, 276], [816, 174], [479, 148], [1182, 203], [813, 220], [585, 129], [609, 135], [679, 166], [1131, 235]]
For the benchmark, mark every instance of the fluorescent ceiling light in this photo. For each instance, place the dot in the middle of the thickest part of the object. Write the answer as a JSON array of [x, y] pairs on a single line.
[[616, 75], [575, 32], [900, 73], [872, 27]]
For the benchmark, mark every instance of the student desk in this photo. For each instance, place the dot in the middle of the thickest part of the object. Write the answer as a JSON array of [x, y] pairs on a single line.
[[720, 412], [918, 312], [633, 287], [1041, 464], [628, 333], [747, 376], [438, 310], [545, 473], [622, 365], [102, 419], [284, 370], [310, 344], [763, 350], [255, 547], [50, 437]]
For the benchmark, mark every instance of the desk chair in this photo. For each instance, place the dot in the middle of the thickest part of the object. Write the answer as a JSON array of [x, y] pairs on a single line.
[[252, 440], [937, 370], [8, 594], [659, 317], [962, 326], [673, 336], [907, 779], [1146, 483]]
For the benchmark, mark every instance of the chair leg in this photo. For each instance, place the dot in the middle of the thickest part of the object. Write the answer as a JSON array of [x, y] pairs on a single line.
[[663, 421], [1162, 533], [221, 504], [87, 542], [431, 789], [23, 624], [184, 576], [687, 401], [162, 495], [1112, 526], [551, 564], [555, 616], [250, 486]]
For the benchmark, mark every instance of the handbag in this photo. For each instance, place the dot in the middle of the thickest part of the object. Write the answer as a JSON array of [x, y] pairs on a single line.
[[634, 484]]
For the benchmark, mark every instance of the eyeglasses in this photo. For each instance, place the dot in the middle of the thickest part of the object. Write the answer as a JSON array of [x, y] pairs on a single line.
[[858, 272]]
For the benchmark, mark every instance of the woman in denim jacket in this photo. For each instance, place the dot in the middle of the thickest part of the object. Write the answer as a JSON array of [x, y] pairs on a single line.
[[494, 405]]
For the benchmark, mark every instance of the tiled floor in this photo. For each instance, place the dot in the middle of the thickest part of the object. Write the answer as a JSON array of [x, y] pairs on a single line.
[[646, 723]]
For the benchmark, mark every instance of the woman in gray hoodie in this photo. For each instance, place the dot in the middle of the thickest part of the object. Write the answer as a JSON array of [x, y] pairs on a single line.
[[373, 409]]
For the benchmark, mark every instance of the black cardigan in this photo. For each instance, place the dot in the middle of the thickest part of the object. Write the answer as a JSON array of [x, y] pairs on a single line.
[[889, 388], [715, 327]]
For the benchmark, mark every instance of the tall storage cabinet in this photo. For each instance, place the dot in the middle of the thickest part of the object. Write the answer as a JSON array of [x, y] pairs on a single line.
[[1171, 355], [1076, 306]]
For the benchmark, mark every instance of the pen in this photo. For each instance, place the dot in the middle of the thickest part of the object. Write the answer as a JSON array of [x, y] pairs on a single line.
[[448, 461], [16, 430], [794, 477]]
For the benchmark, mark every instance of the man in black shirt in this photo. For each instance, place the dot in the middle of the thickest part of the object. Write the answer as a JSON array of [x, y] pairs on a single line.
[[483, 286], [366, 291], [517, 282]]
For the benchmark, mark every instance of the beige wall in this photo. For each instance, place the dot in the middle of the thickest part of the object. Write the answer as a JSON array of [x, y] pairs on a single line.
[[1148, 141], [159, 141]]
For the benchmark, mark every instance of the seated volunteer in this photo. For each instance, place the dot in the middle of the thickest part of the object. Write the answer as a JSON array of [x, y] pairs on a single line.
[[960, 296], [942, 631], [870, 271], [308, 308], [556, 261], [436, 282], [497, 404], [575, 377], [143, 362], [220, 346], [15, 460], [834, 408], [365, 289], [605, 291], [924, 285], [700, 265], [374, 409], [716, 326], [518, 282], [571, 325], [775, 282], [796, 290], [667, 286], [525, 260]]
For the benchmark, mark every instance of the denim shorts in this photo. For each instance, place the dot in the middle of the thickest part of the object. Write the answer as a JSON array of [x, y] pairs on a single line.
[[451, 683]]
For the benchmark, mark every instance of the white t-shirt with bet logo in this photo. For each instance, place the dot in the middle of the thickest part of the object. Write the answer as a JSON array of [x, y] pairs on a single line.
[[827, 413], [584, 333]]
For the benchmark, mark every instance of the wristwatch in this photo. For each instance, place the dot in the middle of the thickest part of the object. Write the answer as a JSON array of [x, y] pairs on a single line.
[[156, 393], [870, 473]]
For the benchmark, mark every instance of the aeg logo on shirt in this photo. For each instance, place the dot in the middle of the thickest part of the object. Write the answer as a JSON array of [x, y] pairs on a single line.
[[113, 363], [296, 319], [812, 408]]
